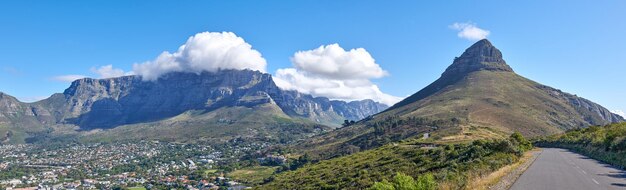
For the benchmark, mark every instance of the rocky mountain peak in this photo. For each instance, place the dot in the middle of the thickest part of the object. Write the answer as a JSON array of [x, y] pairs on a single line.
[[482, 55]]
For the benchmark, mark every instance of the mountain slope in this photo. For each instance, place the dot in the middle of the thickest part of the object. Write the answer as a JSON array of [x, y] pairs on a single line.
[[482, 89], [478, 96], [129, 101], [18, 119]]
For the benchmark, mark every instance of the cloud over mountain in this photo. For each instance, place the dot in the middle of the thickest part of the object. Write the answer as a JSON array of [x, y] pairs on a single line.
[[108, 71], [206, 51], [470, 31], [330, 71], [334, 62]]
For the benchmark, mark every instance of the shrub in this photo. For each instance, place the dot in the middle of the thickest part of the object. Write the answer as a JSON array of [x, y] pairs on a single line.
[[405, 182]]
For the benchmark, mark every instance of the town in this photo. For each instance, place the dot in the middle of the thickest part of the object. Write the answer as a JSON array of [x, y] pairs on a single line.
[[141, 165]]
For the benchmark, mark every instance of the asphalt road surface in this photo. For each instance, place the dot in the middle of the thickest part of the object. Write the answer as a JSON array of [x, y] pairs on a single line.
[[557, 169]]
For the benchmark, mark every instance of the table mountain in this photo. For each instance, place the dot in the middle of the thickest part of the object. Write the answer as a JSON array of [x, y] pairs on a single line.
[[130, 101]]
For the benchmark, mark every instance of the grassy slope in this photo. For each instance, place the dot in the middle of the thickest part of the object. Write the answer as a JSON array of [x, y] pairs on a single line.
[[483, 105], [504, 101], [18, 134], [606, 143], [253, 175], [451, 164], [264, 121]]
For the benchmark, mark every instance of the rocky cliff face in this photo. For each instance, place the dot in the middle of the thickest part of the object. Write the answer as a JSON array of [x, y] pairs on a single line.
[[593, 113], [106, 103], [480, 56], [357, 110], [10, 108]]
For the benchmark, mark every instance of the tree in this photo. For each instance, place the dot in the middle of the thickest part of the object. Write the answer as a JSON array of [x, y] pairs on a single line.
[[346, 123]]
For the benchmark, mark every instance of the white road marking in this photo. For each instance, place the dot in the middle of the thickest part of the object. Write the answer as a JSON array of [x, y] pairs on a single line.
[[584, 171], [595, 181]]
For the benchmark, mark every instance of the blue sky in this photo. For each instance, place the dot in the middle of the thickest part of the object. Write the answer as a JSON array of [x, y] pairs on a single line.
[[576, 46]]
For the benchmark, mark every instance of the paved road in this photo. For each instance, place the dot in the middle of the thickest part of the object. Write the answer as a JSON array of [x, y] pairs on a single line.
[[557, 169]]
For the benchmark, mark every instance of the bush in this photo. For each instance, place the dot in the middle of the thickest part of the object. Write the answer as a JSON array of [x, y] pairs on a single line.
[[403, 166], [605, 143], [384, 185], [522, 143], [405, 182]]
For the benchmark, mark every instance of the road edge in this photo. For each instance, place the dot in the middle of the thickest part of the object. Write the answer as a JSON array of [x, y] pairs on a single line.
[[511, 177]]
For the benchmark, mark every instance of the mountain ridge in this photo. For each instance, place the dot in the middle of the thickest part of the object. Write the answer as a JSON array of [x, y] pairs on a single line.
[[129, 100]]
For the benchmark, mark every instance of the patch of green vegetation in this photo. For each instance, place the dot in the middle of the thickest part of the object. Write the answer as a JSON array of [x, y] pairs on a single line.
[[405, 182], [209, 171], [452, 164], [606, 143], [366, 135], [252, 175], [14, 172]]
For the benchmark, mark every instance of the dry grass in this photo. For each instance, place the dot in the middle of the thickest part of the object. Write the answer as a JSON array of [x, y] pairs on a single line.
[[472, 133], [485, 182]]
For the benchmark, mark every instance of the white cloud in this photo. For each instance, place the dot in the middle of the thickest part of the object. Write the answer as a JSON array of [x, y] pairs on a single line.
[[206, 51], [68, 78], [619, 112], [470, 31], [332, 61], [332, 72], [108, 71]]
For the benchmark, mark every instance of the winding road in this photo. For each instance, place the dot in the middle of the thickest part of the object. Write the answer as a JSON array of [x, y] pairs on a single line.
[[557, 169]]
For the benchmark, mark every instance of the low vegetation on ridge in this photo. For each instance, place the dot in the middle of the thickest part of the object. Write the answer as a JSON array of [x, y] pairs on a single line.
[[450, 165], [605, 143]]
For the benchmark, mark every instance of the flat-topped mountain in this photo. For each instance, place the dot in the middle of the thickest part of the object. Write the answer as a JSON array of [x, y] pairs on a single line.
[[109, 103]]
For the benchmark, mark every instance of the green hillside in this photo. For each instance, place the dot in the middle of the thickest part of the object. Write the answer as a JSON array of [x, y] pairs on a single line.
[[606, 143], [452, 165], [263, 122]]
